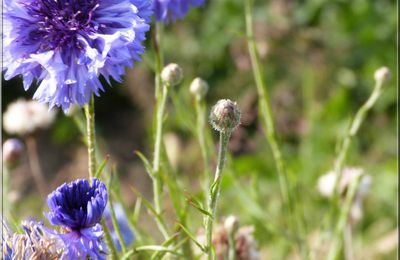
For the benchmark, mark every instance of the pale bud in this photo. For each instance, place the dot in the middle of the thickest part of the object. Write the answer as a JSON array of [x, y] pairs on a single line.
[[172, 74], [382, 74], [225, 116], [199, 88], [231, 224], [12, 151]]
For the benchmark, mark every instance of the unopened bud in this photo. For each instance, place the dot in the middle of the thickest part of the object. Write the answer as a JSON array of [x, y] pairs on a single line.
[[231, 224], [172, 74], [382, 74], [199, 88], [12, 151], [225, 116]]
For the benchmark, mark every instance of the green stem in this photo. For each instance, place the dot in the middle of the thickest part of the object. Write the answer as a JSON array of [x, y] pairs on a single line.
[[215, 190], [34, 164], [232, 246], [91, 136], [157, 43], [201, 121], [269, 126], [352, 131], [110, 244], [343, 217], [116, 226]]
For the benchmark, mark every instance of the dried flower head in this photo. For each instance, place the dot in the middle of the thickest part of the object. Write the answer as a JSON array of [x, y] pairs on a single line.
[[66, 44], [169, 10], [13, 149], [78, 207], [199, 88], [172, 74], [24, 117], [37, 242], [231, 224], [245, 244], [349, 175], [225, 116], [382, 74]]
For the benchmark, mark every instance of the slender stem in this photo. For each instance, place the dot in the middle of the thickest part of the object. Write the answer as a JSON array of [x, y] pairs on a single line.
[[91, 136], [269, 126], [34, 165], [215, 189], [348, 242], [109, 241], [116, 226], [232, 246], [161, 94], [6, 203], [352, 131], [343, 218], [200, 128]]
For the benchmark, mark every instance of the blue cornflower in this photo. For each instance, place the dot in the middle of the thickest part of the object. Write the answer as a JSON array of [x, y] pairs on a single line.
[[126, 231], [65, 45], [169, 10], [78, 207]]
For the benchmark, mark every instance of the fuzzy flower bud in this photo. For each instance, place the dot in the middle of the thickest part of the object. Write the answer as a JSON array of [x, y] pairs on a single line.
[[172, 74], [231, 224], [12, 151], [382, 74], [199, 88], [225, 116]]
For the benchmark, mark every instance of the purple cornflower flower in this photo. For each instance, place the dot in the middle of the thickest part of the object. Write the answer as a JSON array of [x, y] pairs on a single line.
[[65, 45], [78, 207], [169, 10], [126, 231]]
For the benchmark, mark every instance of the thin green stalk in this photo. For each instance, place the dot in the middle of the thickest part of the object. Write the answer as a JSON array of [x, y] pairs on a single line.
[[215, 190], [200, 128], [91, 136], [343, 218], [352, 131], [157, 43], [116, 226], [269, 126], [157, 185], [232, 246], [34, 164], [110, 244]]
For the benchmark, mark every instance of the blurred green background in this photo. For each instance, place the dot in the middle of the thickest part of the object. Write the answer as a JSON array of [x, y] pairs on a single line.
[[319, 58]]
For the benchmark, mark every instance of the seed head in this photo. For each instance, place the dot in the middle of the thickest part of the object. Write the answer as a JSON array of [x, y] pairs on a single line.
[[172, 74], [382, 74], [199, 88], [231, 224], [225, 116]]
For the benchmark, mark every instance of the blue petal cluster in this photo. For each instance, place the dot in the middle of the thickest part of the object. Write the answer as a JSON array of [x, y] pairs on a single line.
[[65, 45], [170, 10], [126, 231], [78, 207]]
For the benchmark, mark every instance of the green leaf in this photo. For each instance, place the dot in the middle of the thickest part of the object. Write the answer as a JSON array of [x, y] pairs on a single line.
[[192, 237], [194, 202], [101, 167], [146, 163]]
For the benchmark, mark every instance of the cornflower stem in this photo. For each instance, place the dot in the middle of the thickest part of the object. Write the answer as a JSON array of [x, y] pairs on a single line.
[[232, 246], [348, 242], [200, 128], [343, 219], [110, 244], [91, 137], [352, 131], [161, 94], [34, 164], [6, 189], [116, 226], [269, 126], [214, 190]]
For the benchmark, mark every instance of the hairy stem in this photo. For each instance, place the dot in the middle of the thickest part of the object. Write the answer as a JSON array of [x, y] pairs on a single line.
[[91, 136], [215, 190], [34, 164]]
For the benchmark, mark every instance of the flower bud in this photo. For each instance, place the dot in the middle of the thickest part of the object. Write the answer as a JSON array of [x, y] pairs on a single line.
[[382, 74], [12, 151], [225, 116], [199, 88], [231, 224], [172, 74]]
